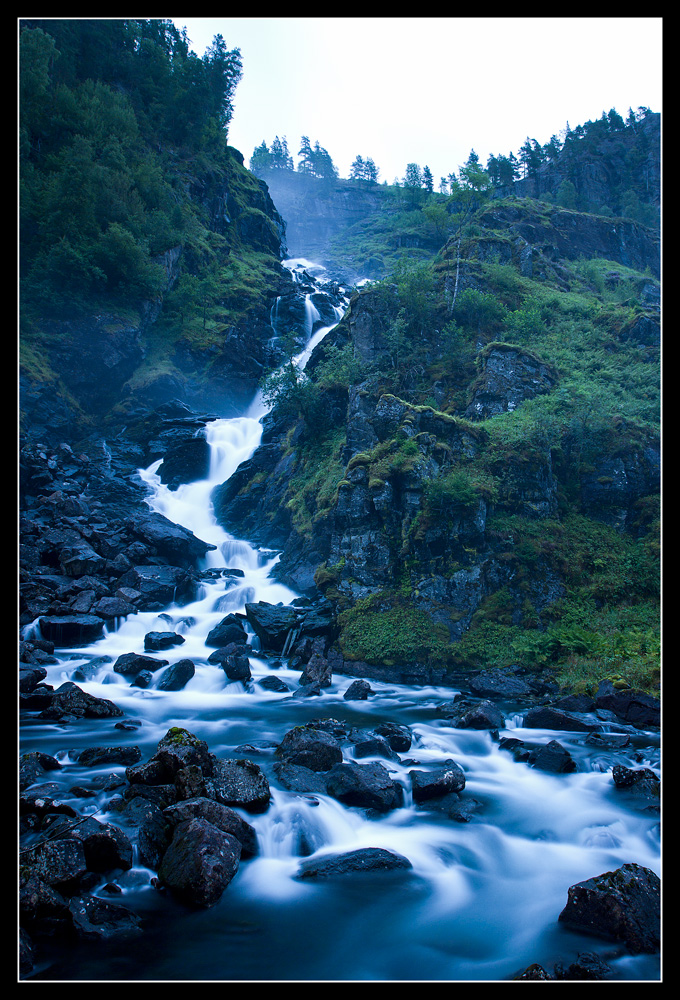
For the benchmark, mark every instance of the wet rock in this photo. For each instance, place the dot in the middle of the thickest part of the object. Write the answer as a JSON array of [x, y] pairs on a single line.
[[634, 707], [186, 462], [177, 676], [587, 966], [552, 757], [366, 785], [365, 860], [623, 905], [237, 667], [219, 815], [96, 919], [273, 683], [159, 585], [33, 767], [309, 748], [545, 717], [200, 862], [155, 641], [59, 864], [153, 833], [399, 737], [358, 690], [106, 846], [99, 756], [189, 782], [241, 784], [43, 910], [70, 700], [317, 670], [498, 684], [367, 744], [485, 715], [171, 540], [297, 778], [176, 750], [71, 630], [132, 664], [229, 630], [272, 624], [435, 783]]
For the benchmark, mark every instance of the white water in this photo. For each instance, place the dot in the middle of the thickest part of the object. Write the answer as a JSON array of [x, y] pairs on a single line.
[[482, 899]]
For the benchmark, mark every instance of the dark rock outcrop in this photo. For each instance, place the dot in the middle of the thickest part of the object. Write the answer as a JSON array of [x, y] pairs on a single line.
[[623, 905]]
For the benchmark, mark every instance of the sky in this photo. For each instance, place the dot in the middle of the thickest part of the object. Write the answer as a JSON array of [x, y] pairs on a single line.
[[428, 90]]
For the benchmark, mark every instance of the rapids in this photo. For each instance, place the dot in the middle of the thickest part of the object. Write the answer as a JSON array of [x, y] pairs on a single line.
[[482, 899]]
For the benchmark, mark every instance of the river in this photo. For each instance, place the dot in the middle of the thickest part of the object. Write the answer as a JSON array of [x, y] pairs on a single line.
[[482, 899]]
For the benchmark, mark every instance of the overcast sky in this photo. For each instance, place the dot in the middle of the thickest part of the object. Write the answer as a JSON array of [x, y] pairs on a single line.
[[428, 90]]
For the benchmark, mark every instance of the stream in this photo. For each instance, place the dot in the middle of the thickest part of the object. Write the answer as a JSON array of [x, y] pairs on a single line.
[[482, 899]]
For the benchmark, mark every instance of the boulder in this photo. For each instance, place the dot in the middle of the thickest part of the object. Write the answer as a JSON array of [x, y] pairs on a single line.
[[229, 630], [240, 783], [71, 630], [154, 641], [298, 778], [435, 783], [106, 846], [552, 757], [633, 707], [623, 905], [132, 664], [219, 815], [485, 715], [237, 667], [70, 700], [60, 864], [96, 919], [186, 462], [364, 860], [358, 690], [498, 684], [177, 676], [310, 748], [200, 862], [368, 786], [178, 748], [171, 540], [99, 756], [272, 624], [545, 717]]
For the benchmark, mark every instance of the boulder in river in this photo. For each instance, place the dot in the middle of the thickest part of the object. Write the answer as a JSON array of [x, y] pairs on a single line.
[[623, 905], [241, 784], [200, 862], [435, 783], [368, 786], [311, 748], [177, 676], [70, 700], [364, 860]]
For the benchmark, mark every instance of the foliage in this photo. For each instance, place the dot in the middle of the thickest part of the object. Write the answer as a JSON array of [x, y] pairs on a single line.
[[383, 628], [100, 100]]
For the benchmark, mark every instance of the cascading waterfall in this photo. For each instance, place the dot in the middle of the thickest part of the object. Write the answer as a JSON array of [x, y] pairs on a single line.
[[482, 899]]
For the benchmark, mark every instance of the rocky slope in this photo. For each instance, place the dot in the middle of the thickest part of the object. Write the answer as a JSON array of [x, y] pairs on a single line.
[[419, 509]]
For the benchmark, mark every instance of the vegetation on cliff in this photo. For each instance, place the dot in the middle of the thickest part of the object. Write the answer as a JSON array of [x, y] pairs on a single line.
[[536, 542], [131, 198]]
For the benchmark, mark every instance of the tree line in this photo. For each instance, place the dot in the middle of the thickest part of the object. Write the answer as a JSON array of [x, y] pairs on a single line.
[[109, 111]]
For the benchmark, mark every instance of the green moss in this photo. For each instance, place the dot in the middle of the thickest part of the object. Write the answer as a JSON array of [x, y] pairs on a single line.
[[384, 628]]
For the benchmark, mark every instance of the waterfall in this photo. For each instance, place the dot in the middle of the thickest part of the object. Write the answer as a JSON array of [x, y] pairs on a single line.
[[482, 898]]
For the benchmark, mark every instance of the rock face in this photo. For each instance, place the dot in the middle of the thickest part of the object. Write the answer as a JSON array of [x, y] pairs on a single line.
[[508, 376], [623, 905]]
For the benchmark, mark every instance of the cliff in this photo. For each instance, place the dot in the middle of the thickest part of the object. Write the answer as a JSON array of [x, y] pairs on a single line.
[[493, 460]]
